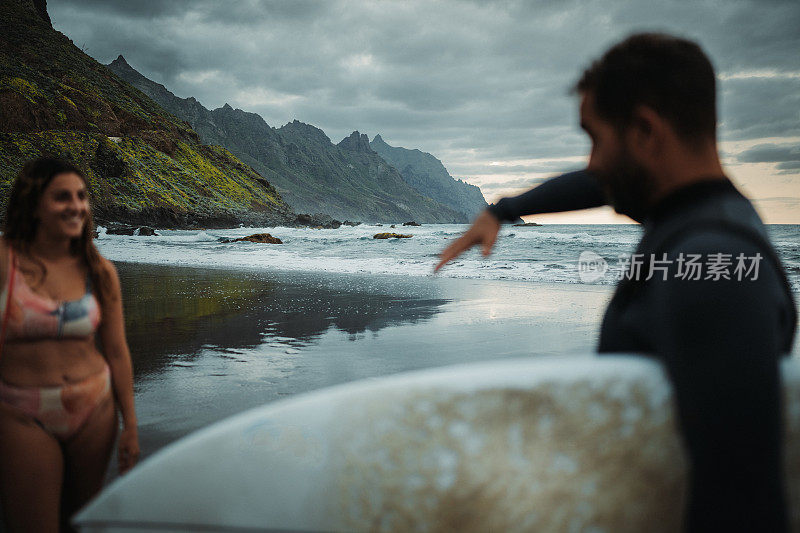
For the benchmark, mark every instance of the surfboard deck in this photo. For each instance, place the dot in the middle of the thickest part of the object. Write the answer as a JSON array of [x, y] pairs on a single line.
[[568, 443]]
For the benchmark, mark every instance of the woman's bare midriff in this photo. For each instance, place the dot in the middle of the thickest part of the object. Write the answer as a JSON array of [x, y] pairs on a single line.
[[49, 362]]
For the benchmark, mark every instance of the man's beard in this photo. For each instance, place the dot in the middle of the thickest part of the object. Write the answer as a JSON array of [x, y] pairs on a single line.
[[628, 187]]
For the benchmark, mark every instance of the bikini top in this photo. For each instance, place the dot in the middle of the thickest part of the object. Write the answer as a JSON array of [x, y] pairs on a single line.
[[30, 316]]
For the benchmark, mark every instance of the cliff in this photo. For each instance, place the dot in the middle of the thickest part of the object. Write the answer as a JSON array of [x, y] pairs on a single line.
[[428, 175], [144, 165], [345, 181]]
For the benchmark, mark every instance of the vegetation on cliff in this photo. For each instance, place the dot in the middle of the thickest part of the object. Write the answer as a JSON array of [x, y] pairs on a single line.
[[144, 164], [346, 181]]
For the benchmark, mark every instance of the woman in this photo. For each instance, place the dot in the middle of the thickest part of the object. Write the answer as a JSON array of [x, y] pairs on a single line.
[[58, 420]]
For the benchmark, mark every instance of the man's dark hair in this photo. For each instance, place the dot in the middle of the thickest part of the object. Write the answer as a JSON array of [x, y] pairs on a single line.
[[673, 76]]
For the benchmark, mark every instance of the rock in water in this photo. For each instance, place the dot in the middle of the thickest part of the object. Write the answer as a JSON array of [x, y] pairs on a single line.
[[120, 229], [147, 231], [391, 236], [263, 238], [114, 228], [411, 223], [317, 221]]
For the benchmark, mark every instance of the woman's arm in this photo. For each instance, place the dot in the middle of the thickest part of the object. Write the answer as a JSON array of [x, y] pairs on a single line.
[[115, 346]]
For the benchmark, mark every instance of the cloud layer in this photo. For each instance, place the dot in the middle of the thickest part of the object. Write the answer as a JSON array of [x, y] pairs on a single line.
[[471, 82]]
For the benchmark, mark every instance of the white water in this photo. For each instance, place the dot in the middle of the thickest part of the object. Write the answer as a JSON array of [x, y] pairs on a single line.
[[542, 254]]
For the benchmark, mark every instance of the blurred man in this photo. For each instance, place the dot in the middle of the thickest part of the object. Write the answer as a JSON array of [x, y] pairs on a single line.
[[705, 292]]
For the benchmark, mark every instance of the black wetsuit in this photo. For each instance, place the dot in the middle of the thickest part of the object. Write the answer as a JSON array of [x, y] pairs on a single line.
[[720, 340]]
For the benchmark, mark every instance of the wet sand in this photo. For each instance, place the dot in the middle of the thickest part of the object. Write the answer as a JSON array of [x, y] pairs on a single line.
[[208, 343]]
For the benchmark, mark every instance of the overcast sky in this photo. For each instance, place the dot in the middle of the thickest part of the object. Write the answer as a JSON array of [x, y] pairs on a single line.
[[484, 86]]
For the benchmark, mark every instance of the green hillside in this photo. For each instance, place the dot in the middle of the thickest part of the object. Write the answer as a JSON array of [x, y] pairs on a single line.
[[144, 164]]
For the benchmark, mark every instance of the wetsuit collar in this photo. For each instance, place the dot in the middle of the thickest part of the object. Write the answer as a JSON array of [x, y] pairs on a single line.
[[689, 194]]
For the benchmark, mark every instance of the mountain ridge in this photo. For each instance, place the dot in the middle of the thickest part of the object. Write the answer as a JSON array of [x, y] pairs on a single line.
[[347, 180], [426, 173]]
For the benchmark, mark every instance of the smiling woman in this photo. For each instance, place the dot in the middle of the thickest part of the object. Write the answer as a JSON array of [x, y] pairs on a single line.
[[58, 417]]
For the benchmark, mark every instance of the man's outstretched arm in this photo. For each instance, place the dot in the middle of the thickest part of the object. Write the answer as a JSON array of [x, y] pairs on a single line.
[[567, 192]]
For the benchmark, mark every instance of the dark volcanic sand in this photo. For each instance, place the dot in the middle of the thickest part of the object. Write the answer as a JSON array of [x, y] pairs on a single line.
[[207, 343]]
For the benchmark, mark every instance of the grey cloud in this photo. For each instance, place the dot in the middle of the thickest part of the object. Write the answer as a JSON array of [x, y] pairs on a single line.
[[552, 167], [512, 184], [789, 165], [147, 9], [771, 153], [223, 12], [468, 81], [760, 107], [264, 11]]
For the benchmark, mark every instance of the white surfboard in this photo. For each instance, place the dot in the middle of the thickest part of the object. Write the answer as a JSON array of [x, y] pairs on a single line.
[[577, 443]]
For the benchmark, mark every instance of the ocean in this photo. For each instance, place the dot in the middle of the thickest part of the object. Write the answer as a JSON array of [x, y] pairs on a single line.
[[548, 254]]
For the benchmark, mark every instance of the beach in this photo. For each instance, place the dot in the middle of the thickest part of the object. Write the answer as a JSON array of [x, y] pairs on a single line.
[[209, 343], [216, 328]]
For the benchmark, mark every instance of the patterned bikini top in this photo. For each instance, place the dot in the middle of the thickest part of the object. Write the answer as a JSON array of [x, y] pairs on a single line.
[[32, 316]]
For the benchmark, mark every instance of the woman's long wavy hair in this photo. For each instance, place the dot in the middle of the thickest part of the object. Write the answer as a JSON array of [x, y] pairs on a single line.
[[21, 223]]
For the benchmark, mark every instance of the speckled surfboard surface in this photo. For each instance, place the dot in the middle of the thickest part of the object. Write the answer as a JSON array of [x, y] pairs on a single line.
[[568, 443]]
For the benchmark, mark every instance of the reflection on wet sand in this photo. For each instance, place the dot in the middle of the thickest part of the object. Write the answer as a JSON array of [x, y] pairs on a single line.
[[179, 311]]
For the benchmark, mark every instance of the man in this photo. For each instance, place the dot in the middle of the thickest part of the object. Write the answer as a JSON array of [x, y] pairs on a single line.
[[649, 107]]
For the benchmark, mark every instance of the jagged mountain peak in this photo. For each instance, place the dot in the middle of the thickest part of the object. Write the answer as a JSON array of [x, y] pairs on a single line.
[[378, 139], [306, 130], [356, 142], [121, 64], [310, 172], [298, 125]]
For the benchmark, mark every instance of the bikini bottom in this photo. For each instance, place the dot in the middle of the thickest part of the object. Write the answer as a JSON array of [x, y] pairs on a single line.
[[63, 410]]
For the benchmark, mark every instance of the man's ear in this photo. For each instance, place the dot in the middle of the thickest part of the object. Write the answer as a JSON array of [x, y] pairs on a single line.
[[646, 132]]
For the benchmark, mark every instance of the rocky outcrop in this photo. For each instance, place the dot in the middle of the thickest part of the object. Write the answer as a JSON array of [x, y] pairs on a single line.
[[319, 220], [391, 236], [261, 238], [411, 223], [428, 175], [356, 142], [114, 228]]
